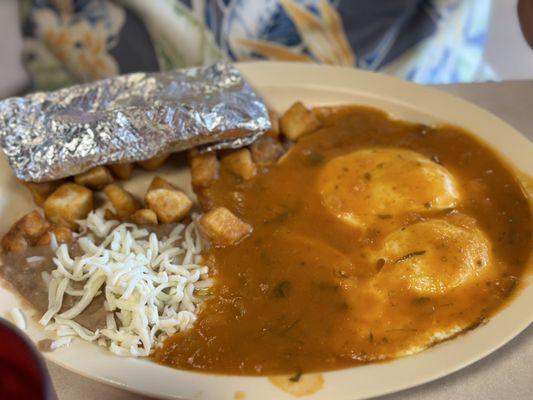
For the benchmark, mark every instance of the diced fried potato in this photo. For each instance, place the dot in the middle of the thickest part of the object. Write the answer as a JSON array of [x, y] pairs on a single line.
[[160, 183], [323, 113], [154, 162], [44, 240], [14, 242], [170, 205], [205, 198], [41, 190], [32, 225], [121, 171], [110, 215], [69, 203], [62, 234], [24, 232], [144, 216], [95, 178], [204, 169], [222, 153], [223, 228], [186, 220], [274, 121], [123, 202], [192, 153], [298, 121], [240, 163], [266, 150]]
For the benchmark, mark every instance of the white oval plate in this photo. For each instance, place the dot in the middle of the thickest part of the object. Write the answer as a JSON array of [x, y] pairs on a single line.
[[281, 84]]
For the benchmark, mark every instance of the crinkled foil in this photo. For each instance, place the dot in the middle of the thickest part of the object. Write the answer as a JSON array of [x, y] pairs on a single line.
[[48, 136]]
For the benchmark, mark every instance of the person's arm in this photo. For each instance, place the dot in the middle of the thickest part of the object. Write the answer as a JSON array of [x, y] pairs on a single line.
[[525, 16]]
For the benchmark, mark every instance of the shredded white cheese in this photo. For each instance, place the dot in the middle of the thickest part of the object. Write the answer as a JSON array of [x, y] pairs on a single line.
[[35, 259], [18, 318], [53, 242], [62, 342], [149, 284]]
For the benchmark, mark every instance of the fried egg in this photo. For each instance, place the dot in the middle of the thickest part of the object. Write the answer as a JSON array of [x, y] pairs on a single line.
[[425, 260], [366, 184], [433, 257]]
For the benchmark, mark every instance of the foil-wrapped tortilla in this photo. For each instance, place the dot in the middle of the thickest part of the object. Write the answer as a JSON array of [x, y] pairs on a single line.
[[48, 136]]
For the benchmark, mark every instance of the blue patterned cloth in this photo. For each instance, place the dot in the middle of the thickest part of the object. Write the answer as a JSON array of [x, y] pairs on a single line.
[[426, 41]]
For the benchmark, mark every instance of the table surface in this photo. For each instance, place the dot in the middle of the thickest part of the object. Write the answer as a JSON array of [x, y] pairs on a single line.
[[505, 374]]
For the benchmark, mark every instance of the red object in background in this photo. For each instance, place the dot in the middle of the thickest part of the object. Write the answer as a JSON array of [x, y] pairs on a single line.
[[525, 16], [23, 373]]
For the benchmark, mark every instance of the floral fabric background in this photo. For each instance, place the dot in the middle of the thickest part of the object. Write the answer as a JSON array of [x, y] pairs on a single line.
[[427, 41]]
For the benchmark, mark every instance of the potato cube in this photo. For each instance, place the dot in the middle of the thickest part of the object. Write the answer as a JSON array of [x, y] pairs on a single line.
[[41, 190], [298, 121], [14, 242], [223, 228], [274, 121], [205, 198], [144, 216], [324, 113], [266, 150], [123, 202], [69, 203], [44, 240], [32, 226], [121, 171], [170, 205], [95, 178], [160, 183], [62, 234], [25, 231], [240, 163], [192, 153], [222, 153], [110, 215], [204, 169], [154, 162]]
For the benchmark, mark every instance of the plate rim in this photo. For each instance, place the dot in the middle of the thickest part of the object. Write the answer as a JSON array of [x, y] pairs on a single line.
[[319, 74]]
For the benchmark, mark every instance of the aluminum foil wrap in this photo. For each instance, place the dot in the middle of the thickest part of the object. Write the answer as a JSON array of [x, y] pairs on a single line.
[[48, 136]]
